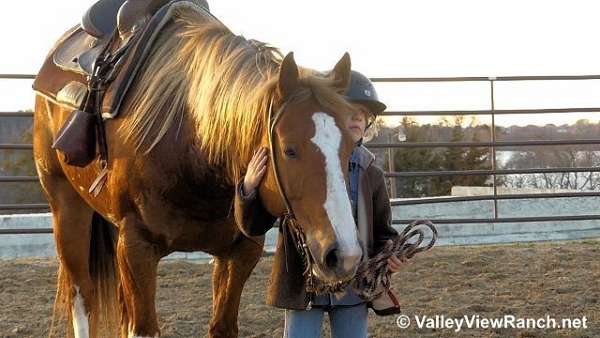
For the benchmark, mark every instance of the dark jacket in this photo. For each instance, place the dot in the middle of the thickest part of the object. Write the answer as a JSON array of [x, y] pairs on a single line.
[[286, 288]]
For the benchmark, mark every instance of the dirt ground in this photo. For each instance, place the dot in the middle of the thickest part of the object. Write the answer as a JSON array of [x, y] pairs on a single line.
[[561, 280]]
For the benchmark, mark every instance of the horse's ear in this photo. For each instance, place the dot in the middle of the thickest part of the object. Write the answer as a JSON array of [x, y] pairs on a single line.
[[341, 72], [288, 75]]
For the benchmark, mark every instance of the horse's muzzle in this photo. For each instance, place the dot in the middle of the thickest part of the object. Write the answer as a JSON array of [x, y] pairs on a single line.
[[338, 263]]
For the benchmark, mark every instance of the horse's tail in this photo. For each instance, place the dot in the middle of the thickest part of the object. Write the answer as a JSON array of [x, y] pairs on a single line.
[[105, 276], [104, 272]]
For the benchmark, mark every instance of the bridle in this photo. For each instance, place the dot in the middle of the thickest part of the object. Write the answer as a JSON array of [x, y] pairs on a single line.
[[290, 227], [370, 273], [288, 219]]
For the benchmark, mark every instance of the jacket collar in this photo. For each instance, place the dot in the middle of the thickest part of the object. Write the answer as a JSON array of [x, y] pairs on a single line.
[[365, 157]]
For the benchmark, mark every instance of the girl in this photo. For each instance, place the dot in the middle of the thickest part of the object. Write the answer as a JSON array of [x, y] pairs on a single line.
[[371, 211]]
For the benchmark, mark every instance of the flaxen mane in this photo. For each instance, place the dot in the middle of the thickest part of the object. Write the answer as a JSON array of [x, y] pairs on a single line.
[[224, 81]]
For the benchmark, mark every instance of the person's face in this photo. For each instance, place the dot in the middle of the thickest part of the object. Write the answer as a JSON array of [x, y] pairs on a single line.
[[358, 121]]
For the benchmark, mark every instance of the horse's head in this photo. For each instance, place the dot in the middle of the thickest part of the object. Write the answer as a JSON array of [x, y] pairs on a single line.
[[311, 148]]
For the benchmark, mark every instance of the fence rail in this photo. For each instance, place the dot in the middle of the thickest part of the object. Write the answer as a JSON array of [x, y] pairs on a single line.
[[493, 144], [16, 114], [17, 76], [489, 112]]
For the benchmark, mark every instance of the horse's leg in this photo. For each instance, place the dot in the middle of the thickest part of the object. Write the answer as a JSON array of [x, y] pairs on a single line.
[[72, 219], [229, 276], [138, 260], [77, 289]]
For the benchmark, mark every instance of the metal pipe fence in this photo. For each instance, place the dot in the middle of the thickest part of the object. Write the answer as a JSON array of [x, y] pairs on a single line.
[[493, 144]]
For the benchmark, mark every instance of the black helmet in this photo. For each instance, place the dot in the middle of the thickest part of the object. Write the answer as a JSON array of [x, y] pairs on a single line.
[[361, 90]]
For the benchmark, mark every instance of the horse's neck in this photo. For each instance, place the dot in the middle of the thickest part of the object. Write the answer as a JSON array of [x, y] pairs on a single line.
[[195, 163], [229, 158]]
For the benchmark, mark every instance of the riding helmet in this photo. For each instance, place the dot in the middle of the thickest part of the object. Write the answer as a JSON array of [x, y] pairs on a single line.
[[361, 90]]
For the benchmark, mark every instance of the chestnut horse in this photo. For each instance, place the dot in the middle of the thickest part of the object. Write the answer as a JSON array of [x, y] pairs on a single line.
[[192, 120]]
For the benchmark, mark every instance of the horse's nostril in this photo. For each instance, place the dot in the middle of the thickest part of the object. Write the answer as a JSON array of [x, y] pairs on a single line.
[[331, 259]]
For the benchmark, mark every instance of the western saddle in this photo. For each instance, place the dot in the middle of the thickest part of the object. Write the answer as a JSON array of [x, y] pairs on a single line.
[[93, 65]]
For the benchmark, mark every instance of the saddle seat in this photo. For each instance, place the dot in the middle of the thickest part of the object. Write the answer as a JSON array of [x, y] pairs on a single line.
[[100, 19], [79, 53]]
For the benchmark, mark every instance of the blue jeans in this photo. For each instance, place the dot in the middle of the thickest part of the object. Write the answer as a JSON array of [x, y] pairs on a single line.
[[346, 322]]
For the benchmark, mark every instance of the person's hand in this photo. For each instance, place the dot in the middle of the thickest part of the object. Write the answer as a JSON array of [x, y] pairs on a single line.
[[256, 170], [395, 263]]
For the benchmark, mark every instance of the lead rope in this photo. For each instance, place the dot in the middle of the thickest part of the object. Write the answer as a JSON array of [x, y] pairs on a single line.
[[374, 272]]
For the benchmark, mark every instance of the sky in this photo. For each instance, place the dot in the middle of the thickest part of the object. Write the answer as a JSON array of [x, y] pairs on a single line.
[[420, 38]]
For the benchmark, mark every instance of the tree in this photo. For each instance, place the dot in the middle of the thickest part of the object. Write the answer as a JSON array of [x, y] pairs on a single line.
[[414, 159], [436, 159], [568, 156], [475, 158]]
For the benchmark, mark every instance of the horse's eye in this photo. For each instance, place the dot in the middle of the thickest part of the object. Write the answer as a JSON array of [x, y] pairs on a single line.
[[289, 152]]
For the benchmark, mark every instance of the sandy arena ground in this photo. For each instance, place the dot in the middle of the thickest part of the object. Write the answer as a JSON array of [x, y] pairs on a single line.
[[526, 280]]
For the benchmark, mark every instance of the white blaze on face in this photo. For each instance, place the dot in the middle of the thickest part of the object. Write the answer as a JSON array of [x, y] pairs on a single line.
[[80, 316], [328, 139]]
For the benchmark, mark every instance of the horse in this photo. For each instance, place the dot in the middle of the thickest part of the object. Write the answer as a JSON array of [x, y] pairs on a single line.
[[195, 113]]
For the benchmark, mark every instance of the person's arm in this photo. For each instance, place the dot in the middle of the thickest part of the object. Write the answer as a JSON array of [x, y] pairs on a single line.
[[250, 215], [382, 221], [382, 212]]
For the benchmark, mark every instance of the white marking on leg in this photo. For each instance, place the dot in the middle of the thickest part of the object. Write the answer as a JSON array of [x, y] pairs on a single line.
[[131, 334], [328, 139], [80, 316]]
